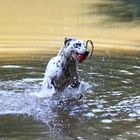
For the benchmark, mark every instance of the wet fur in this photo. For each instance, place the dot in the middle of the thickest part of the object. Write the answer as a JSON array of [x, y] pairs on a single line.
[[62, 70]]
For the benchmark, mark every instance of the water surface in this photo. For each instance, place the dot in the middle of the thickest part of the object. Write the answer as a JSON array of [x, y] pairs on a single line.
[[30, 27], [110, 108]]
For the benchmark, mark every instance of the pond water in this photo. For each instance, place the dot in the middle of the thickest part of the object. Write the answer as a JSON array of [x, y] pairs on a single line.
[[110, 108], [31, 32], [34, 26]]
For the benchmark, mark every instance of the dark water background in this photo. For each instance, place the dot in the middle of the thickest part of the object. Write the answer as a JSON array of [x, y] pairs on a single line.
[[110, 108], [118, 11]]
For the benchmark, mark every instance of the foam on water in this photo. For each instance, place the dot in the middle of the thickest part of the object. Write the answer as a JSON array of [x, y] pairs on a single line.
[[126, 72], [15, 67], [66, 94], [25, 97], [11, 66]]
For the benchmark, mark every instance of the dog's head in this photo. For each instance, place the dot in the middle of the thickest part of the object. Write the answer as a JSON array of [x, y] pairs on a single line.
[[76, 48]]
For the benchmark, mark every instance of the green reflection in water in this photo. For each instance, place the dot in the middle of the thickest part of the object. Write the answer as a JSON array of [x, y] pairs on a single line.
[[118, 11]]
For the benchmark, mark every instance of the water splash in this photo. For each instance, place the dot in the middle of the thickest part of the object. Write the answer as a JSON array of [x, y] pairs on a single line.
[[67, 93], [24, 97]]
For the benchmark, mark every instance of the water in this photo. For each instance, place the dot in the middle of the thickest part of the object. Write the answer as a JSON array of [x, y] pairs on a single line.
[[32, 31], [35, 27], [109, 109]]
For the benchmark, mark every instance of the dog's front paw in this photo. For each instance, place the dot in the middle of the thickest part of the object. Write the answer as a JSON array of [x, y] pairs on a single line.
[[48, 90]]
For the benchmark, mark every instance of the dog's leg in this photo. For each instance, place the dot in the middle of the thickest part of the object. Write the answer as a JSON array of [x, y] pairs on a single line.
[[48, 87], [74, 76], [75, 82]]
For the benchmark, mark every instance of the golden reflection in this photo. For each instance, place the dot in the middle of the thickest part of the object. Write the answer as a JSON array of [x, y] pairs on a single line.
[[37, 26]]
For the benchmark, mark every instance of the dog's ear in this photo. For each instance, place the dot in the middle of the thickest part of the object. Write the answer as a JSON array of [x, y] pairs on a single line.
[[67, 40]]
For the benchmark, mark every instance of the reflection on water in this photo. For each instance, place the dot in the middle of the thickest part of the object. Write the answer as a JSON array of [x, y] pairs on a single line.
[[35, 27], [119, 11], [109, 109]]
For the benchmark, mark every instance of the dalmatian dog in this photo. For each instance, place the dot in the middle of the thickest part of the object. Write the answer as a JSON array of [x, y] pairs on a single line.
[[62, 70]]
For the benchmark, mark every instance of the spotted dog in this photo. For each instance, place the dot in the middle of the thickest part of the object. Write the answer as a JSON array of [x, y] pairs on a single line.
[[62, 70]]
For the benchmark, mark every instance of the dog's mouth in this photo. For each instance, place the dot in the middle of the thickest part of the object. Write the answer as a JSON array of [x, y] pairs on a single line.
[[81, 57], [87, 54]]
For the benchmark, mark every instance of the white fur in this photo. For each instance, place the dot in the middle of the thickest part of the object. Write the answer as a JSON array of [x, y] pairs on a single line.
[[62, 70]]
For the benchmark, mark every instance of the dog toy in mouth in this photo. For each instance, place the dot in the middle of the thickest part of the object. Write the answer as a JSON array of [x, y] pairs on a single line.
[[82, 57], [87, 54]]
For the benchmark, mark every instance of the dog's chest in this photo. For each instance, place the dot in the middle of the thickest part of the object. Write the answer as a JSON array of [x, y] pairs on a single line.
[[69, 70]]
